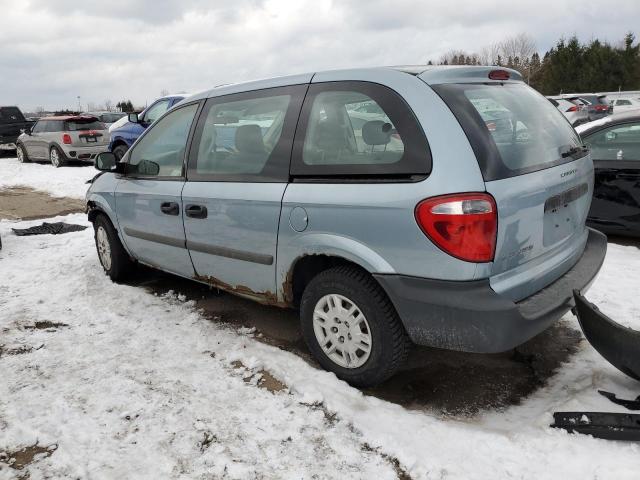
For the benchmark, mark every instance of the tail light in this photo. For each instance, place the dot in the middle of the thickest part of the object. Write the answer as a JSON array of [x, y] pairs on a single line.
[[464, 225], [602, 108], [66, 139], [573, 109]]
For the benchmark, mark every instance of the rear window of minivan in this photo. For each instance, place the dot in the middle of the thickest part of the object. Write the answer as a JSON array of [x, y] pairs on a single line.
[[512, 129]]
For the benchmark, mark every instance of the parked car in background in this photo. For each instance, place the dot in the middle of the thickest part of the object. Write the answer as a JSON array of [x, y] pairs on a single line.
[[453, 234], [125, 135], [597, 105], [573, 110], [615, 149], [63, 138], [12, 122], [108, 118], [625, 104]]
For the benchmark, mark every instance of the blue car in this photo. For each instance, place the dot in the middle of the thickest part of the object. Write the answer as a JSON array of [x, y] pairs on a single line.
[[123, 137]]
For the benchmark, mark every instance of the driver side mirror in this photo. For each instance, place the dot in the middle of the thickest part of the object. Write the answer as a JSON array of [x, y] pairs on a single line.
[[133, 118], [26, 130], [106, 162]]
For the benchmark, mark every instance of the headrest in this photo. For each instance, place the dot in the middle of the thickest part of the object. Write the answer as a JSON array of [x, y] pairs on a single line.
[[376, 132], [249, 139]]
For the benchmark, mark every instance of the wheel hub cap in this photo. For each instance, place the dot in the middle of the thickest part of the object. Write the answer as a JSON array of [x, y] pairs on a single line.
[[342, 331], [104, 249]]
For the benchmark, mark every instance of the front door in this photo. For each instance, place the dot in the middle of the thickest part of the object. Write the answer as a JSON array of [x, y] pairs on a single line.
[[238, 172], [616, 158], [34, 142], [148, 197]]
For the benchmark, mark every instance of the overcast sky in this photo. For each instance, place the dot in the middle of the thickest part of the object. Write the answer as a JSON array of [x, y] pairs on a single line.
[[51, 51]]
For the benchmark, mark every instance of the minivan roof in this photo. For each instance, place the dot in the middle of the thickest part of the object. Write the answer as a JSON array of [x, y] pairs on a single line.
[[430, 74]]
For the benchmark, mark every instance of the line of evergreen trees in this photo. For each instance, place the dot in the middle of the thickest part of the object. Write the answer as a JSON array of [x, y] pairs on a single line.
[[570, 66], [125, 106]]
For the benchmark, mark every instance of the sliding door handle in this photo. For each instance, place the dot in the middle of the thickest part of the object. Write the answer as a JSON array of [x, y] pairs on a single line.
[[195, 211], [170, 208]]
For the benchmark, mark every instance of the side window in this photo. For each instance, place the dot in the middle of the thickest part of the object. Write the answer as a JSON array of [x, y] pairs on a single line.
[[616, 143], [38, 127], [160, 152], [155, 111], [55, 126], [246, 136], [623, 102], [358, 128]]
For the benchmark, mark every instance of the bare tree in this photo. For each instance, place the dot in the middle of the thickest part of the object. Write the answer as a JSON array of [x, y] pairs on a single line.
[[519, 46], [164, 92], [108, 105]]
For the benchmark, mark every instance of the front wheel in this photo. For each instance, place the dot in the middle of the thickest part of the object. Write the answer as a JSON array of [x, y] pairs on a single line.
[[21, 153], [56, 157], [114, 259], [351, 326]]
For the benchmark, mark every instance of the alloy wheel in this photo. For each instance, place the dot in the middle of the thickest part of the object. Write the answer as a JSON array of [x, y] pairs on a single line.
[[104, 248]]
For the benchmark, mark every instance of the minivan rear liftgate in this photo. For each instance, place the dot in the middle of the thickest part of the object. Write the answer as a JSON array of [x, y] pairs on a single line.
[[539, 174]]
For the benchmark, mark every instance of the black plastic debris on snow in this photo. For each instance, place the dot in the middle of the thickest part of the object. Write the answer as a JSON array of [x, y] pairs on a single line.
[[48, 229], [609, 426], [628, 404], [619, 345]]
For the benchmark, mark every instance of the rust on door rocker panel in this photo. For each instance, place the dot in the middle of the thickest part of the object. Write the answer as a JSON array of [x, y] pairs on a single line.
[[266, 298]]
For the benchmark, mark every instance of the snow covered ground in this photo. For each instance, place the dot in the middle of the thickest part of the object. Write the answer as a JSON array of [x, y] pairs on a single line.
[[120, 383], [69, 181]]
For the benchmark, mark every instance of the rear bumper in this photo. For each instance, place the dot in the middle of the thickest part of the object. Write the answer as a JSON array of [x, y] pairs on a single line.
[[88, 154], [471, 317]]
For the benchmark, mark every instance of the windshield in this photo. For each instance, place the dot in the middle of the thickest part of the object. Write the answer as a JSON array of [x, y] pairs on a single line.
[[512, 128]]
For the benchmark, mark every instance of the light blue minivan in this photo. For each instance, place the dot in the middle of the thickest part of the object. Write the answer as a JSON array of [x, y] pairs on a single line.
[[442, 206]]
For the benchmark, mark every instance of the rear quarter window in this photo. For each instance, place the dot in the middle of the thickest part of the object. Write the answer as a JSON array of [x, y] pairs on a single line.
[[358, 129]]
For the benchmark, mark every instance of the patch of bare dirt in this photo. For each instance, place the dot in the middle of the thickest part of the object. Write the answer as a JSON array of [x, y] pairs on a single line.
[[263, 378], [24, 203], [19, 459]]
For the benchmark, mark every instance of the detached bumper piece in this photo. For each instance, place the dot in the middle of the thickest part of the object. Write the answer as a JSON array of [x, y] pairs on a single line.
[[609, 426], [619, 345]]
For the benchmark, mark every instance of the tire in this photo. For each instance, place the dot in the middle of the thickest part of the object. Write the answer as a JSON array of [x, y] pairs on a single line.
[[21, 153], [113, 257], [388, 343], [56, 157], [119, 151]]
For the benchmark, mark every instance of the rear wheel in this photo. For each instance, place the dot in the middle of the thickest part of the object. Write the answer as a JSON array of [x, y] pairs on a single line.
[[21, 153], [56, 157], [113, 257], [119, 152], [351, 326]]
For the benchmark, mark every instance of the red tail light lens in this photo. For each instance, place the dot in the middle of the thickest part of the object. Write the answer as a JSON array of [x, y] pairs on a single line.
[[601, 108], [463, 225], [572, 109], [66, 139]]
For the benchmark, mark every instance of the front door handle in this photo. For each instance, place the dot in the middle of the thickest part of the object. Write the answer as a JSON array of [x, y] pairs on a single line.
[[170, 208], [196, 211]]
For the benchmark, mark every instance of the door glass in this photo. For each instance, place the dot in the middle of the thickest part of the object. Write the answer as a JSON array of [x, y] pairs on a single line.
[[38, 127], [238, 137], [616, 143], [155, 111], [350, 128], [160, 152]]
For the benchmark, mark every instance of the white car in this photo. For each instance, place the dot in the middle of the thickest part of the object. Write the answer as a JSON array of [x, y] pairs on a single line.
[[572, 109], [625, 104]]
